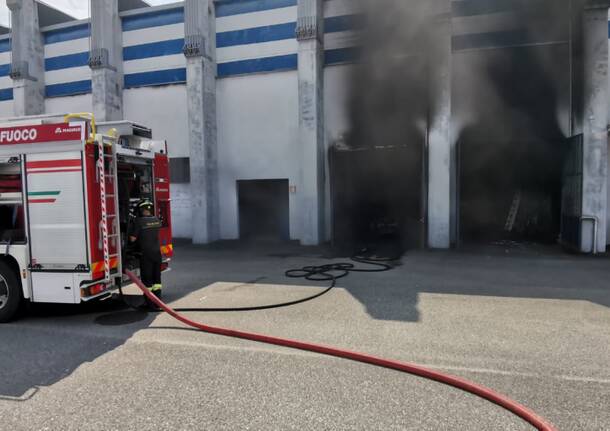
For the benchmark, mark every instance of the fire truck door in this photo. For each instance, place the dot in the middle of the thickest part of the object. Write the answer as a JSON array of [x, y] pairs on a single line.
[[56, 212]]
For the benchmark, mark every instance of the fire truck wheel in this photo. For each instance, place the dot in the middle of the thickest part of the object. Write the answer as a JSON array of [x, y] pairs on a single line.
[[10, 293]]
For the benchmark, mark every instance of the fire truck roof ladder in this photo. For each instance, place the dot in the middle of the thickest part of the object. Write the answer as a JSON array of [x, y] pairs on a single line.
[[107, 178]]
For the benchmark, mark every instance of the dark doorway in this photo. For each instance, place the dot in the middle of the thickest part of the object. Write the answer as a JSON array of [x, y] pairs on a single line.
[[263, 209], [510, 191], [511, 149], [377, 199]]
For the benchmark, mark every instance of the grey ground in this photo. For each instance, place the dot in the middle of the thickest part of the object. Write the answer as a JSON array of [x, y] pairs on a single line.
[[533, 324]]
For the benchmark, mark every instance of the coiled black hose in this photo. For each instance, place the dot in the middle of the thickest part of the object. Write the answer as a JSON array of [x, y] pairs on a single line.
[[329, 272]]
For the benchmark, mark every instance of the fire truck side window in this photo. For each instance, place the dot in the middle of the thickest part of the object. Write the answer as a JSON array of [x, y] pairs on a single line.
[[12, 220]]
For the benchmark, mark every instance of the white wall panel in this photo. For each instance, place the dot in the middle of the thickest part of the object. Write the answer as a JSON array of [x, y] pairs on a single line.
[[6, 82], [68, 47], [259, 50], [153, 34], [62, 105], [6, 109], [344, 39], [336, 101], [257, 139], [5, 58], [182, 226], [155, 63], [67, 75], [164, 110], [256, 19]]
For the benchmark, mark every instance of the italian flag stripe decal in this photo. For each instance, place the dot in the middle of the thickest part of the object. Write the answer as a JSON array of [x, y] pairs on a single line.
[[48, 197]]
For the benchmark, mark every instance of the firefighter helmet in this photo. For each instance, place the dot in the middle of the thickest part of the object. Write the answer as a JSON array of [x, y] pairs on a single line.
[[145, 204]]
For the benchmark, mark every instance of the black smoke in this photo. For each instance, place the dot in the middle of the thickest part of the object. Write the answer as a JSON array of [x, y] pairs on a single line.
[[513, 139], [511, 112]]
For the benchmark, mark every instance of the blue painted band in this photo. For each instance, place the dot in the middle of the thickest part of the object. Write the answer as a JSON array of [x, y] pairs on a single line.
[[66, 61], [153, 19], [237, 7], [68, 88], [499, 39], [80, 31], [340, 56], [481, 7], [267, 64], [5, 45], [158, 77], [256, 35], [283, 31], [155, 49], [6, 94], [5, 70]]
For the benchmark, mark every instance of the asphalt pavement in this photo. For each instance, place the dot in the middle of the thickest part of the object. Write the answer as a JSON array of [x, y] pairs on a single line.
[[533, 324]]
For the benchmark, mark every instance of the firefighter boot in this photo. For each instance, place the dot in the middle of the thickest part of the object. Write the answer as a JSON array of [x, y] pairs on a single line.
[[157, 290]]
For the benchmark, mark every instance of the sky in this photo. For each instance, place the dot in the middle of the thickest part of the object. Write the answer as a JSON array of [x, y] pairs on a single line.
[[76, 8]]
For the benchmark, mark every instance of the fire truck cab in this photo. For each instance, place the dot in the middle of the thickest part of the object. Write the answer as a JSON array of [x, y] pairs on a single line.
[[68, 189]]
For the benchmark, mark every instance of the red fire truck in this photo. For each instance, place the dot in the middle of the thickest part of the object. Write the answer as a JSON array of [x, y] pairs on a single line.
[[68, 187]]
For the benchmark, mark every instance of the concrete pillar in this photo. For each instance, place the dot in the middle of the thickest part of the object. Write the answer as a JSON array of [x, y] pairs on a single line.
[[106, 60], [595, 125], [27, 68], [200, 52], [442, 212], [310, 36]]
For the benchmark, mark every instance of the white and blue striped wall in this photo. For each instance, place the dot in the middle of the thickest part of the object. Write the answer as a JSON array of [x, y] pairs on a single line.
[[256, 36], [66, 49], [152, 47], [6, 84], [257, 67], [152, 52], [253, 36]]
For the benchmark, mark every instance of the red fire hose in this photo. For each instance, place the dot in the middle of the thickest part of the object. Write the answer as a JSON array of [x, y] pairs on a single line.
[[481, 391]]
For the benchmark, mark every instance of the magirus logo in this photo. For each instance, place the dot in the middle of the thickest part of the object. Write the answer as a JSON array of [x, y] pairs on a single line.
[[61, 130]]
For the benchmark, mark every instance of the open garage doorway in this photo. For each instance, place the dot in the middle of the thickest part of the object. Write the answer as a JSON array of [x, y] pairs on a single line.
[[512, 110], [263, 210], [377, 200], [510, 192]]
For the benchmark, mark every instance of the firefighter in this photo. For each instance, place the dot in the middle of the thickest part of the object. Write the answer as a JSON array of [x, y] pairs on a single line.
[[145, 234]]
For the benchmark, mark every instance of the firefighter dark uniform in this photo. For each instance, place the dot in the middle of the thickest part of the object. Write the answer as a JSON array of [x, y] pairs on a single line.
[[146, 234]]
